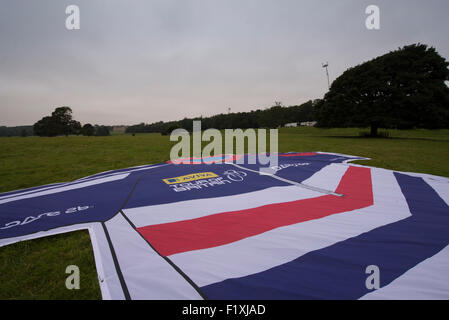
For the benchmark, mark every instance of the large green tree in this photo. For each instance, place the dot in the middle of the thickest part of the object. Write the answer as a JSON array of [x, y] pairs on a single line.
[[46, 127], [401, 89], [59, 123]]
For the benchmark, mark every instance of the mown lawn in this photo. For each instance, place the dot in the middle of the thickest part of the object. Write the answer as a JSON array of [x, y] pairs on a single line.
[[36, 269]]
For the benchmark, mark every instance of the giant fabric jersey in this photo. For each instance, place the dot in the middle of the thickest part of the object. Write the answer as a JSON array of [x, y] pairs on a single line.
[[311, 227]]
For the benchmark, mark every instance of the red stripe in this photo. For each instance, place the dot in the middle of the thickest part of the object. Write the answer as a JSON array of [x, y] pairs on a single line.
[[222, 228], [300, 154]]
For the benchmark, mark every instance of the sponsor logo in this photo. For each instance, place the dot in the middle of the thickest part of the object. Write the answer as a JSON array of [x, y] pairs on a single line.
[[288, 165], [190, 177], [235, 175], [201, 184], [204, 180]]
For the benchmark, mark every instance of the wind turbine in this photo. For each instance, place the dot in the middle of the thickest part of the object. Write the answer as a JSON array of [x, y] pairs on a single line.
[[325, 65]]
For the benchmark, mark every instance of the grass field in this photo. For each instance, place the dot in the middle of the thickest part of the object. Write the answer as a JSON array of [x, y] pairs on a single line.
[[36, 269]]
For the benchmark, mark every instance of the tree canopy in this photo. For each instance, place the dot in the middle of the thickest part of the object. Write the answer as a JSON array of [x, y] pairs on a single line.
[[88, 130], [16, 131], [272, 117], [402, 89], [59, 123]]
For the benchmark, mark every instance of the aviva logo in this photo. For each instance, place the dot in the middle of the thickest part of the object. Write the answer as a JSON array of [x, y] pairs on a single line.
[[190, 177]]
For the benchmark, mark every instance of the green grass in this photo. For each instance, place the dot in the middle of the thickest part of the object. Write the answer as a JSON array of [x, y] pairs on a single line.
[[36, 269], [424, 151]]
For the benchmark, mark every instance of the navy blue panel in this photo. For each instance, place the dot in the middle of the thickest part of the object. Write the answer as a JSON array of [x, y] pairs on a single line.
[[300, 168], [46, 188], [94, 203], [141, 168], [338, 271], [153, 190], [101, 202], [11, 194]]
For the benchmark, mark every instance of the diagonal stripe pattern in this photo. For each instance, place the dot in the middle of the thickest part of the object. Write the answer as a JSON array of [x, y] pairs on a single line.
[[222, 228]]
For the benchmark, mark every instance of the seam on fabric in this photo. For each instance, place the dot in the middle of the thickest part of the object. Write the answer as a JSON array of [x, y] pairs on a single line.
[[171, 263], [116, 263]]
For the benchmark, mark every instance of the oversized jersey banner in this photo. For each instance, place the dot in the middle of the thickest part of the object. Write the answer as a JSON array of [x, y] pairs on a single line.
[[311, 228]]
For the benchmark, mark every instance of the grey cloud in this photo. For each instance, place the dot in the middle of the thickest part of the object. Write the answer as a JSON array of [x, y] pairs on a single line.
[[144, 61]]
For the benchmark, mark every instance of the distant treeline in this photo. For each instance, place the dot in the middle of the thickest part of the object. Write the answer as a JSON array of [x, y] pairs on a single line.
[[61, 122], [16, 131], [25, 131], [273, 117]]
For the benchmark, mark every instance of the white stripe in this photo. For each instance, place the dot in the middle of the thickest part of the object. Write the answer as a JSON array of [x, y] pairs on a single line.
[[355, 158], [107, 274], [327, 178], [282, 245], [89, 178], [26, 191], [147, 275], [50, 186], [67, 188], [427, 280], [13, 193], [191, 209], [298, 184]]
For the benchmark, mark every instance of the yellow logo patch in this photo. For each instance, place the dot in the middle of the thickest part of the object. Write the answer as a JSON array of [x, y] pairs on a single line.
[[190, 177]]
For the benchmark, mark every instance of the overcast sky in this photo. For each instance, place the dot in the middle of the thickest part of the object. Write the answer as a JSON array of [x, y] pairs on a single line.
[[144, 60]]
